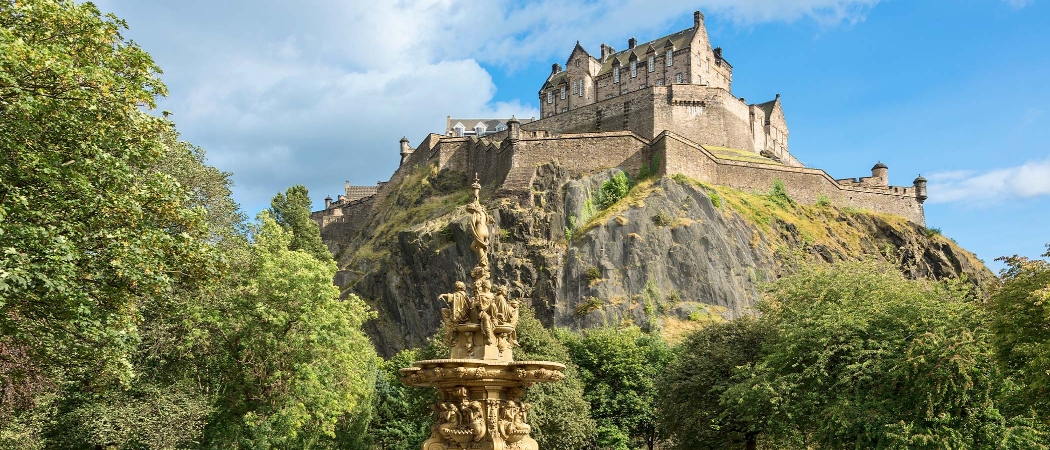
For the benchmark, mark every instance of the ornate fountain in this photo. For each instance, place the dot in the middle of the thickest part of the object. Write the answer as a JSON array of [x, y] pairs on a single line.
[[480, 386]]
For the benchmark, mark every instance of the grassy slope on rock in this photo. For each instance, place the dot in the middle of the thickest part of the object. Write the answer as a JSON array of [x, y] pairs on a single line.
[[426, 197]]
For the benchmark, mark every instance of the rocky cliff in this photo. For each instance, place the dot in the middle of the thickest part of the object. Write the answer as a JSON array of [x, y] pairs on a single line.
[[670, 255]]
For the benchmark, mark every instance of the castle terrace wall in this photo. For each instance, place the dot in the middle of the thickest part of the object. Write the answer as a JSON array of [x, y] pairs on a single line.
[[578, 153], [342, 223], [805, 185], [709, 115], [585, 119]]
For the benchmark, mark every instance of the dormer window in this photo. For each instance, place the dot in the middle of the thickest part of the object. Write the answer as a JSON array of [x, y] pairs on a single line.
[[479, 129], [459, 128], [652, 63], [550, 97], [616, 74], [563, 92], [500, 127], [670, 58], [634, 69]]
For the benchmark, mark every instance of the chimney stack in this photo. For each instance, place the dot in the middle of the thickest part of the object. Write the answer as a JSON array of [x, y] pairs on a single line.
[[328, 202], [555, 68], [631, 43], [698, 19], [607, 52]]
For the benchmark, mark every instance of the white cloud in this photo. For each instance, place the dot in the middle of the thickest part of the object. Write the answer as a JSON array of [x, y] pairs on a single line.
[[1018, 4], [1031, 179], [320, 91]]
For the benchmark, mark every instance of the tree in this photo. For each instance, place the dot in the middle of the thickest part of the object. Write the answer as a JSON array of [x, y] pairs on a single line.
[[402, 415], [1020, 325], [861, 357], [292, 211], [91, 230], [693, 410], [298, 366], [560, 415], [619, 368]]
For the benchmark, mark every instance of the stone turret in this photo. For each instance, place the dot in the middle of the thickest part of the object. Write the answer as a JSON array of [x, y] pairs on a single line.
[[406, 151], [698, 19], [328, 202], [514, 129], [881, 172], [920, 188]]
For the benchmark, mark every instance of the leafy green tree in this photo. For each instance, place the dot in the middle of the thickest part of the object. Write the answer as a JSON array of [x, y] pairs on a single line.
[[298, 366], [560, 415], [1020, 324], [861, 357], [619, 368], [692, 389], [291, 210], [93, 231]]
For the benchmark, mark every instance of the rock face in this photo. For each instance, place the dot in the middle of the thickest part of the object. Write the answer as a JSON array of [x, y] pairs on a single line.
[[669, 256]]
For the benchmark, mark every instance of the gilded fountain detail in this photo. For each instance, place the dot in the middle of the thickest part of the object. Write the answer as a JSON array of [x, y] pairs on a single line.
[[480, 387]]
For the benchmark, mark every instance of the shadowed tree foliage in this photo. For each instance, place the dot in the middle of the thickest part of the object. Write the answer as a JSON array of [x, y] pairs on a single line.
[[692, 408], [291, 210]]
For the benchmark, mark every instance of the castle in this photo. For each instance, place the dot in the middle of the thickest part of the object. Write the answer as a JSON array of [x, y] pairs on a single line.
[[666, 103]]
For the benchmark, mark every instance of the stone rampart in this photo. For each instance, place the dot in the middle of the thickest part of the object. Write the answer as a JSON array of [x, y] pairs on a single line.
[[679, 155]]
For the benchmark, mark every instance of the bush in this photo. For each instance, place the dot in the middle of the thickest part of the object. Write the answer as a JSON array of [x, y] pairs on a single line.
[[591, 304], [779, 194], [823, 201], [614, 189], [661, 219], [931, 232], [593, 273]]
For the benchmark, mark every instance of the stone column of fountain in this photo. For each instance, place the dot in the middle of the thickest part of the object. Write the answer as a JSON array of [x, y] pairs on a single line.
[[480, 386]]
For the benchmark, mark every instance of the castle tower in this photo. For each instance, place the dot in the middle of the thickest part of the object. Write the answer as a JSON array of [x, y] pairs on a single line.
[[920, 188], [406, 151], [881, 172]]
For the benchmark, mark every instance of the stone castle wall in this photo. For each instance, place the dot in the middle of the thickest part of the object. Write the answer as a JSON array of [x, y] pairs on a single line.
[[711, 115], [678, 155]]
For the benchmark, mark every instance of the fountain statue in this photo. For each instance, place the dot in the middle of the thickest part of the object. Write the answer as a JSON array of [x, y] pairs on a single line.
[[480, 387]]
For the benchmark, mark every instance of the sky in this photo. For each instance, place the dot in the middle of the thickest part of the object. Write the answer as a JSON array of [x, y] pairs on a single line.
[[318, 92]]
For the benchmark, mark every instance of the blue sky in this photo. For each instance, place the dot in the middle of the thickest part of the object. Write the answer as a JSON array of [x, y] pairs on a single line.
[[320, 91]]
